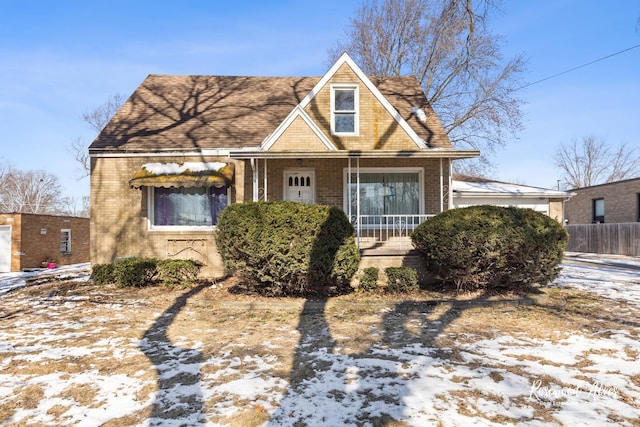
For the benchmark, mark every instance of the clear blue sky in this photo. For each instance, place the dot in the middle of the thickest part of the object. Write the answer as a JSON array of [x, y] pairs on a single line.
[[59, 59]]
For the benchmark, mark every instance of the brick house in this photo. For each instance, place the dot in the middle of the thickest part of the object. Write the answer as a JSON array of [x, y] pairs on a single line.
[[34, 240], [183, 147], [614, 202]]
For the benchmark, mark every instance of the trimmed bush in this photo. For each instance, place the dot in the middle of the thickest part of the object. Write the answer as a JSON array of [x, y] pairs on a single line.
[[178, 272], [483, 247], [401, 279], [288, 248], [369, 280], [103, 274], [135, 272]]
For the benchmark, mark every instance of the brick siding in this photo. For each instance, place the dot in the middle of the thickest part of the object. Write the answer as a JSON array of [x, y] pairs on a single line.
[[35, 239], [620, 202]]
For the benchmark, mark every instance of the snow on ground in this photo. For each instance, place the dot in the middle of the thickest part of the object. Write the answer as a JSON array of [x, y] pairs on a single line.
[[585, 378], [20, 279]]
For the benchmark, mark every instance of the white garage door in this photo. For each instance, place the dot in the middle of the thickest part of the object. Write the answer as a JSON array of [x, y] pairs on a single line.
[[5, 248]]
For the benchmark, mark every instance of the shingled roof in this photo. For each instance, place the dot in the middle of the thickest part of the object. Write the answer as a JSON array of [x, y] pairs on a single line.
[[232, 112]]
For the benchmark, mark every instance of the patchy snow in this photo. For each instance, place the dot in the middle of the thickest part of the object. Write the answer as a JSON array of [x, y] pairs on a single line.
[[177, 169], [503, 188], [420, 114], [20, 279], [588, 378]]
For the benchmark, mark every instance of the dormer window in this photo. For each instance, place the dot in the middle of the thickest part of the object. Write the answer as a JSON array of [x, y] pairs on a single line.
[[344, 109]]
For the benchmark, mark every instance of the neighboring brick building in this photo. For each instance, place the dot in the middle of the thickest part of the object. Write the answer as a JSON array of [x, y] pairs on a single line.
[[34, 241], [614, 202], [183, 147]]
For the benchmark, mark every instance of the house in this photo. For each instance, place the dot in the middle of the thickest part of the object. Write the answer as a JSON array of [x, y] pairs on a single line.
[[613, 202], [34, 241], [469, 191], [184, 147]]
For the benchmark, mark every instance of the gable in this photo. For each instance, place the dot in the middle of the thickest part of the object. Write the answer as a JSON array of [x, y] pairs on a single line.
[[300, 134], [239, 112], [377, 128]]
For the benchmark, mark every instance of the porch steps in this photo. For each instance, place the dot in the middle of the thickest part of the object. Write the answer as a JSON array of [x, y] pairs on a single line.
[[389, 253]]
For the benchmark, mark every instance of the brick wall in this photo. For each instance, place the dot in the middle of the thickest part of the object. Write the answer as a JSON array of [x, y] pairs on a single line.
[[14, 221], [36, 239], [377, 130], [620, 202], [119, 213], [330, 176], [119, 216]]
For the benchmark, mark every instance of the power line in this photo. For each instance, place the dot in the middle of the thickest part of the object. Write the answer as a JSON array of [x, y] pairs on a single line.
[[579, 66]]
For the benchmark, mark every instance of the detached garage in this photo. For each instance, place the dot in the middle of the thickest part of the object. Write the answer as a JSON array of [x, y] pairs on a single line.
[[35, 241], [470, 191]]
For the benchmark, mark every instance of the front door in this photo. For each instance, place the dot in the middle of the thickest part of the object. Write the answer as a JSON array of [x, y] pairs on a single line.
[[5, 248], [300, 186]]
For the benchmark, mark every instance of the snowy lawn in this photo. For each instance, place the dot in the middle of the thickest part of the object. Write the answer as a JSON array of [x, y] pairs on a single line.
[[75, 354]]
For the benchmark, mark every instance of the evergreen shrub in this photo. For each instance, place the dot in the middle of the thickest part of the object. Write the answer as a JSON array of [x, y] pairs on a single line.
[[288, 248], [135, 272], [103, 274], [483, 247], [401, 279], [369, 280], [178, 272]]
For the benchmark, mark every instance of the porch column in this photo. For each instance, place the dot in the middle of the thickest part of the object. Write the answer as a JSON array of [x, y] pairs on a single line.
[[450, 201], [349, 201], [265, 179], [358, 199], [441, 187], [254, 170]]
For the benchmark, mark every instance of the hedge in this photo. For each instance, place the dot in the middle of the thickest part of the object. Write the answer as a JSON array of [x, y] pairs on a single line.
[[482, 247], [288, 248]]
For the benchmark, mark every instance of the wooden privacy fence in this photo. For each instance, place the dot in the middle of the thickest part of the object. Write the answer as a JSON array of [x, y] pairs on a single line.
[[618, 239]]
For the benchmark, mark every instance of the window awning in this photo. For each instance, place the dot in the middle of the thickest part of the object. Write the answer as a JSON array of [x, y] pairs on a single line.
[[188, 174]]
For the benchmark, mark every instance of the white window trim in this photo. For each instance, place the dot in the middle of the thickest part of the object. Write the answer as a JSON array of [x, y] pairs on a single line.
[[67, 230], [345, 185], [151, 213], [356, 101]]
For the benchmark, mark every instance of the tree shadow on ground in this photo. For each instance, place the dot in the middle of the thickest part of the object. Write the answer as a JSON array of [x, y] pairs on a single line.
[[330, 385], [179, 396]]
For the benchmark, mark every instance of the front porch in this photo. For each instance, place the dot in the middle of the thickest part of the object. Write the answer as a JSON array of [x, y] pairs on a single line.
[[386, 233]]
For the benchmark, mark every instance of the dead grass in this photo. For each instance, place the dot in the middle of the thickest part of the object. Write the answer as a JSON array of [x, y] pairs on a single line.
[[218, 323]]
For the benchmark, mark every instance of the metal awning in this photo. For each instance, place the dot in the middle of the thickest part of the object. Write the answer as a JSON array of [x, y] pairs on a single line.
[[188, 174]]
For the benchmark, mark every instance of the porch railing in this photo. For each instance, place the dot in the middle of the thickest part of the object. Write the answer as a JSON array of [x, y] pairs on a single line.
[[383, 228]]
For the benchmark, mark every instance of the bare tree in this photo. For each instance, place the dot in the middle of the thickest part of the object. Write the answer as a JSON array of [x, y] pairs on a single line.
[[29, 192], [71, 206], [96, 119], [446, 44], [592, 161]]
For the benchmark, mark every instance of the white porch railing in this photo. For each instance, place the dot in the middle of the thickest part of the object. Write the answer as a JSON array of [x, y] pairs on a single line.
[[383, 228]]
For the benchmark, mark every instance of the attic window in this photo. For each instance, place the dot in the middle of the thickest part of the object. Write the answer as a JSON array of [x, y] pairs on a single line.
[[344, 109]]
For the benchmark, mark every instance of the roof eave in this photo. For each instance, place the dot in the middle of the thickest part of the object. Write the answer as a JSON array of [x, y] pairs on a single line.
[[370, 154]]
